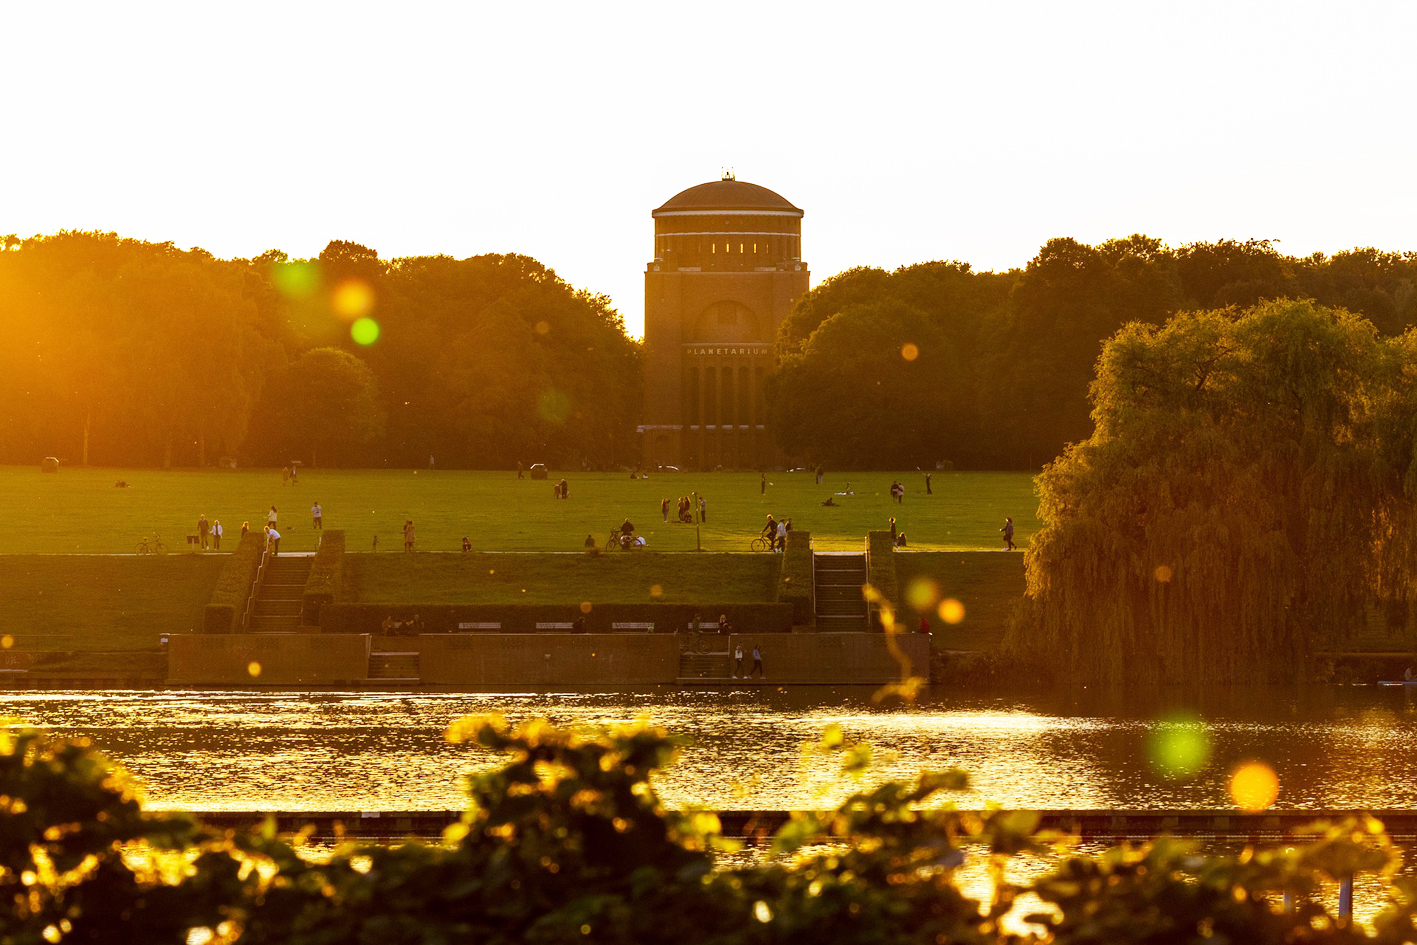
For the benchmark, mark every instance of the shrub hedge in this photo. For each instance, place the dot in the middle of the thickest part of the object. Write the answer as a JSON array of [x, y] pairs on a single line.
[[322, 587], [233, 585]]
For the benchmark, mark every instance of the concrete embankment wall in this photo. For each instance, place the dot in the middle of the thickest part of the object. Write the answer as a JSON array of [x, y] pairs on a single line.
[[284, 659], [549, 659], [488, 660]]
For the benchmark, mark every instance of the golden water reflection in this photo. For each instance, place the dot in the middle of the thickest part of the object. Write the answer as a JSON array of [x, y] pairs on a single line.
[[1330, 748]]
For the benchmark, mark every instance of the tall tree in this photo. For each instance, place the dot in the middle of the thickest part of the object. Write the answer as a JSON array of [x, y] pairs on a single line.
[[1245, 489]]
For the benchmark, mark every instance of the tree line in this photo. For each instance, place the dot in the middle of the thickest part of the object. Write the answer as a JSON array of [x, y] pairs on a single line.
[[990, 370], [124, 352]]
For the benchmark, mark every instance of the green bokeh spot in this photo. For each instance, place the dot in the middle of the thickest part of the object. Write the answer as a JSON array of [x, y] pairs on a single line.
[[1179, 748], [554, 406], [297, 280], [365, 331]]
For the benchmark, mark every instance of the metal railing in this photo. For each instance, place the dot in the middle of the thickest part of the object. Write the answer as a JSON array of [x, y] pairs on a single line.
[[255, 589]]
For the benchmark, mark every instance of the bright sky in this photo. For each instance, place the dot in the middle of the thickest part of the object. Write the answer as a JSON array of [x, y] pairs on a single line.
[[906, 131]]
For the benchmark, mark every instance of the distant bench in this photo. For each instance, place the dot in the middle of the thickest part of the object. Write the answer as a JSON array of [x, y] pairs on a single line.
[[481, 625], [647, 627], [555, 625]]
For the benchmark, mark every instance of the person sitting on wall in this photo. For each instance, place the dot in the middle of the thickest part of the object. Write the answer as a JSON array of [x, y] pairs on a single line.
[[900, 540], [387, 627]]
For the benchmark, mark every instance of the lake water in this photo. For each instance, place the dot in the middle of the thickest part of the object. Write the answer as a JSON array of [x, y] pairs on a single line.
[[1349, 747]]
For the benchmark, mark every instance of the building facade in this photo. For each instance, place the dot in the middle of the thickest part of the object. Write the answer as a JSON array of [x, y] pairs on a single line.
[[727, 269]]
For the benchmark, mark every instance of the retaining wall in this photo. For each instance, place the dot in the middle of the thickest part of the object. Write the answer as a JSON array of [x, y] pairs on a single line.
[[340, 617], [835, 658], [285, 659], [549, 659]]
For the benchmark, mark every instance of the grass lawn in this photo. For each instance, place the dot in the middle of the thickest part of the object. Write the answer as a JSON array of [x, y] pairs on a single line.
[[988, 585], [80, 511], [60, 602], [558, 579]]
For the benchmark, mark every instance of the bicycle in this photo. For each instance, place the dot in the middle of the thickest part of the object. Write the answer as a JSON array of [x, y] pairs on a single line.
[[153, 547], [761, 544]]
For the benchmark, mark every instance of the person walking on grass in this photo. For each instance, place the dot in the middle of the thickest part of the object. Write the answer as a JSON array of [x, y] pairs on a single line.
[[757, 662], [216, 535], [408, 537], [927, 485], [782, 535], [763, 484], [271, 517], [316, 513], [1008, 531], [664, 509], [202, 527], [703, 510]]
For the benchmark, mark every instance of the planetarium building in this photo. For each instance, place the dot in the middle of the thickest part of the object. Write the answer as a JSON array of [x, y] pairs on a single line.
[[727, 269]]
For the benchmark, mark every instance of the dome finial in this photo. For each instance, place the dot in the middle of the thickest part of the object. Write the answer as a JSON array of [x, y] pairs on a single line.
[[728, 174]]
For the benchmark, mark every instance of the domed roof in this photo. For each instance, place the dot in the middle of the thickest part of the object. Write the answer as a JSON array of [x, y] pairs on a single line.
[[727, 194]]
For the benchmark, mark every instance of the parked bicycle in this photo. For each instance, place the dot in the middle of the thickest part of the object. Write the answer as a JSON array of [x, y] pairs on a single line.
[[151, 547]]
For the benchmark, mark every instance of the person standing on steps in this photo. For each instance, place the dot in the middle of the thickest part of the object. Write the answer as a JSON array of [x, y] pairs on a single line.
[[738, 660], [757, 662], [1008, 531], [317, 513]]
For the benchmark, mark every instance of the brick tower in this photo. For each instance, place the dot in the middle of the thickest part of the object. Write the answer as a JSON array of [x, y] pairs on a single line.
[[727, 269]]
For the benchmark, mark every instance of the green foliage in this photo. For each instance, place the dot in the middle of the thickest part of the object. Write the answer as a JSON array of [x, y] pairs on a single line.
[[323, 585], [1005, 359], [567, 842], [126, 352], [67, 816], [327, 401], [1246, 490], [233, 585]]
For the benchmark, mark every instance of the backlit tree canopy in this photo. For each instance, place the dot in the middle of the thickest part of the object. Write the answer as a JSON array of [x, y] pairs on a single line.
[[123, 352], [1247, 488]]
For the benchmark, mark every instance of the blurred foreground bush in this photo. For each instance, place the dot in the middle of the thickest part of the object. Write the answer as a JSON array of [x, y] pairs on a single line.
[[567, 842]]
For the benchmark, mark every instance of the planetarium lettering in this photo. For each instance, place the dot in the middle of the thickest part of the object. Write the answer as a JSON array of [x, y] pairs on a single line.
[[739, 349]]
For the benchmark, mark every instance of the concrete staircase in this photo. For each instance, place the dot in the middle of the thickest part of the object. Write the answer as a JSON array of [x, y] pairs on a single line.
[[837, 579], [394, 667], [277, 608], [698, 666]]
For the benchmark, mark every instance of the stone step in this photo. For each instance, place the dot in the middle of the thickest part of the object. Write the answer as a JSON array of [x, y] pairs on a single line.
[[403, 666], [276, 608], [841, 608], [841, 624], [704, 666], [260, 624], [839, 592]]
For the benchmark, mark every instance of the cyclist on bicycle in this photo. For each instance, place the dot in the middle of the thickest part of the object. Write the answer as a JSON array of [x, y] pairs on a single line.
[[770, 529]]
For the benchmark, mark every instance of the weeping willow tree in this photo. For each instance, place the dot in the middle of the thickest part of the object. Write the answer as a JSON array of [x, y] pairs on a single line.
[[1246, 491]]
